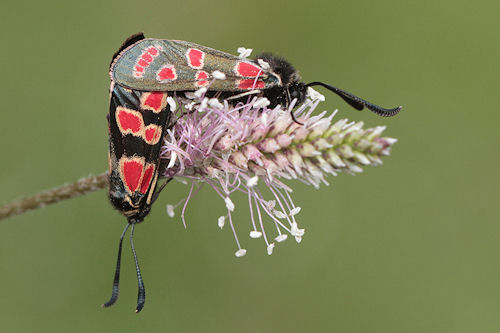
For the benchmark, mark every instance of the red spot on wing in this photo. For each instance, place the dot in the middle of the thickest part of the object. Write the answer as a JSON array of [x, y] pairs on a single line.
[[153, 51], [152, 134], [154, 101], [129, 121], [146, 179], [201, 83], [195, 58], [145, 60], [149, 134], [247, 69], [201, 77], [131, 170], [167, 73], [147, 57], [251, 84]]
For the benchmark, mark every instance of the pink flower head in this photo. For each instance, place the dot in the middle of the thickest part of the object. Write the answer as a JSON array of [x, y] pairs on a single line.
[[246, 148]]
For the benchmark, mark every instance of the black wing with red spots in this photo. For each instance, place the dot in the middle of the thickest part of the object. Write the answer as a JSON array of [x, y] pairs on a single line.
[[137, 123]]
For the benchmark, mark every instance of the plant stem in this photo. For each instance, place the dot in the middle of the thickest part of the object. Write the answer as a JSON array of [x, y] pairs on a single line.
[[60, 193]]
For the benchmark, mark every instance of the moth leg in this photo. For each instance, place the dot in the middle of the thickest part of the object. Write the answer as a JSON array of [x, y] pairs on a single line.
[[295, 119], [159, 189], [251, 92]]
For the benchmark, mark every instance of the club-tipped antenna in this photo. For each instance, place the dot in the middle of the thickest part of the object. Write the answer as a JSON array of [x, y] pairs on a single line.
[[141, 295], [116, 280], [356, 102]]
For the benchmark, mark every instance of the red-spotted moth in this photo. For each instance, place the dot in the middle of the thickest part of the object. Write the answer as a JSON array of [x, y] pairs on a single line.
[[144, 73]]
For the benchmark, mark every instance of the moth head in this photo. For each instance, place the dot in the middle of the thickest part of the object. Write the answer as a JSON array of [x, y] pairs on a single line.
[[291, 85], [281, 68], [129, 205], [294, 88], [138, 217], [297, 90]]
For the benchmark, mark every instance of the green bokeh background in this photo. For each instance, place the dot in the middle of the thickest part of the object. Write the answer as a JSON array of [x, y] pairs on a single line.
[[411, 246]]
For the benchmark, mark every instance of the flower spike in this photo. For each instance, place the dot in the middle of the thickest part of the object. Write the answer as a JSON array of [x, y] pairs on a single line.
[[250, 148]]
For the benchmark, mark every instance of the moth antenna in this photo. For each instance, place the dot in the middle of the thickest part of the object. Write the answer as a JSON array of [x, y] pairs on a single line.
[[116, 281], [356, 102], [141, 295]]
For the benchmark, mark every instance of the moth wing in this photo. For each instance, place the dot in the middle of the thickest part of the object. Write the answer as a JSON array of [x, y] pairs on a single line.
[[171, 65], [137, 123]]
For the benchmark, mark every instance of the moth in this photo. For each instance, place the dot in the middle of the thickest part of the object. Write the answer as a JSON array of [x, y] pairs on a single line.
[[144, 74]]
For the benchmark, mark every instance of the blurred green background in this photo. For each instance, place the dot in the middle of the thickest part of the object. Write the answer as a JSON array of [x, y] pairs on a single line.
[[411, 246]]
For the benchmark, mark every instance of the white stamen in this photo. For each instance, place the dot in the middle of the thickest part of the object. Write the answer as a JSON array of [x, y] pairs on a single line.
[[255, 234], [271, 204], [200, 92], [170, 211], [279, 214], [270, 248], [252, 181], [263, 119], [218, 75], [173, 158], [264, 65], [296, 231], [261, 102], [244, 52], [281, 238], [220, 221], [376, 132], [240, 253], [295, 211], [172, 104], [347, 125], [229, 204], [214, 102], [203, 105], [391, 141], [314, 95]]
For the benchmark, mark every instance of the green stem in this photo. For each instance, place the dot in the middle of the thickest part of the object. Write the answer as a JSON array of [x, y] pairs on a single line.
[[60, 193]]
